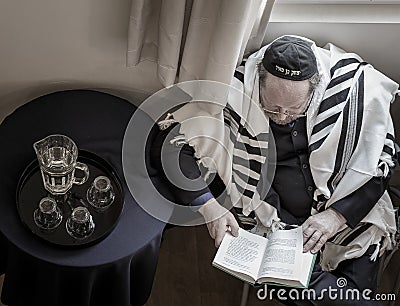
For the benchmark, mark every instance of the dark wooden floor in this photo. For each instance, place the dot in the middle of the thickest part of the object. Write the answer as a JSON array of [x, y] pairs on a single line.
[[1, 286], [185, 276]]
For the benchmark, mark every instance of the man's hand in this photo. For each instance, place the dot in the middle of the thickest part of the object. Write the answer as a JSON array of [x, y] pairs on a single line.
[[218, 220], [317, 229]]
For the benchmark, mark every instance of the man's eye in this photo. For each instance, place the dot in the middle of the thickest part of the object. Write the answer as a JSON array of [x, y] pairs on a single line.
[[297, 107]]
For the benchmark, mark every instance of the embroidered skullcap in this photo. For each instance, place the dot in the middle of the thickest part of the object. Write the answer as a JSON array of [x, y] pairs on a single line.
[[290, 58]]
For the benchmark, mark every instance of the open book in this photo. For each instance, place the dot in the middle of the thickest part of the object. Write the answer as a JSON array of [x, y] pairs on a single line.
[[278, 259]]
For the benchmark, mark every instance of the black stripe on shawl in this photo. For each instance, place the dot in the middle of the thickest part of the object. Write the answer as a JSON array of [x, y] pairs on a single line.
[[244, 132], [382, 167], [227, 115], [232, 114], [250, 149], [247, 147], [360, 109], [358, 115], [330, 102], [342, 78], [228, 121], [247, 179], [340, 148], [328, 121], [254, 165], [390, 136], [388, 150], [232, 135], [239, 75], [342, 63], [333, 100], [245, 192], [317, 144], [355, 234], [241, 129], [238, 144], [320, 199]]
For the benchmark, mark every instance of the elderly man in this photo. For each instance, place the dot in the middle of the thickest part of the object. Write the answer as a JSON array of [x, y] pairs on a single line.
[[327, 112]]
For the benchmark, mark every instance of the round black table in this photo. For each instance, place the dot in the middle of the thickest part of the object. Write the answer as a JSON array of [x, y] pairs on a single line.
[[118, 270]]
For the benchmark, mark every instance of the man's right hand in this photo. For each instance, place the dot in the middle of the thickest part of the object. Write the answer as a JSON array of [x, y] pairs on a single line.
[[219, 220]]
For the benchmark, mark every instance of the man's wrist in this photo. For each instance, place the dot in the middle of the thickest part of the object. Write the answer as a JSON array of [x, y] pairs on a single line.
[[339, 216], [211, 202], [197, 203]]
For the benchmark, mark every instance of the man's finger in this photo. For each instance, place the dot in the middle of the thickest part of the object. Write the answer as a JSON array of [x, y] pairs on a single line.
[[307, 233], [306, 223], [219, 235], [211, 230], [234, 226], [312, 241], [319, 244]]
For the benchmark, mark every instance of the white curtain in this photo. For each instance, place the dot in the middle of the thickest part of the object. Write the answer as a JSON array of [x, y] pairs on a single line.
[[195, 39]]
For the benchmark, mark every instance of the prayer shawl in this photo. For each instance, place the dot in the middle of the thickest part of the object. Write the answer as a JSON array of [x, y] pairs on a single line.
[[350, 135]]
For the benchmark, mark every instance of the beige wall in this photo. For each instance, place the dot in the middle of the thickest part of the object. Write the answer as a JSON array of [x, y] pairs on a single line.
[[49, 45], [368, 30]]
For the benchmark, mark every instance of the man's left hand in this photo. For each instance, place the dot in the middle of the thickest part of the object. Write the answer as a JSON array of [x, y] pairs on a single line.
[[317, 229]]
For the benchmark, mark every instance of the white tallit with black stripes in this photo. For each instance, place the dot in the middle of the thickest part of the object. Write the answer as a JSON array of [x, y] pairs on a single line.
[[350, 135]]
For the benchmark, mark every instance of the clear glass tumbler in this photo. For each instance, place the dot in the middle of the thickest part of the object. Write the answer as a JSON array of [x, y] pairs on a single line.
[[48, 215], [80, 224], [101, 194]]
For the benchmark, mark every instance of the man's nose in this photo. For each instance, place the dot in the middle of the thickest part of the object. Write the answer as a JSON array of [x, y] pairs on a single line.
[[282, 114]]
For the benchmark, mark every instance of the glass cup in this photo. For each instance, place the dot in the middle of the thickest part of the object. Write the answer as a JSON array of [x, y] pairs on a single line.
[[57, 155], [100, 194], [48, 215], [80, 224]]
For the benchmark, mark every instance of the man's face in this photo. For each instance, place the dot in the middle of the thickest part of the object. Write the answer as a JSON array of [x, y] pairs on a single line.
[[287, 98]]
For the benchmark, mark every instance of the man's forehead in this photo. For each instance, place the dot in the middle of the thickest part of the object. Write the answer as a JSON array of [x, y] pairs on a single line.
[[276, 84]]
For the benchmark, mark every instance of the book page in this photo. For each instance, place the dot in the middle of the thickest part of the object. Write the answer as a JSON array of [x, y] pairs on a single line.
[[282, 258], [241, 254], [307, 264]]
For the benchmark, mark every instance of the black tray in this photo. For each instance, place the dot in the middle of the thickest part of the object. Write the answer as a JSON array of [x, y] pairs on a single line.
[[30, 191]]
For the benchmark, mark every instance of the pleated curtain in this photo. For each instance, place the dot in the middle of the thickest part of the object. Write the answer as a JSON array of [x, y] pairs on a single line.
[[195, 39]]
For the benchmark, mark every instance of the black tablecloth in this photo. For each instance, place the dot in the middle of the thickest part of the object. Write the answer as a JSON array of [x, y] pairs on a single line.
[[120, 269]]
